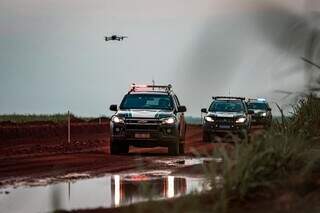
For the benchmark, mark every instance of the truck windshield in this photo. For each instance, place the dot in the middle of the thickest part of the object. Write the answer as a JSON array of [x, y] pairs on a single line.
[[262, 106], [226, 106], [147, 101]]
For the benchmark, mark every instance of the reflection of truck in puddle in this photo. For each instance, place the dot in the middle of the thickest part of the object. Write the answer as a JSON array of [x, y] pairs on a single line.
[[127, 190], [107, 191]]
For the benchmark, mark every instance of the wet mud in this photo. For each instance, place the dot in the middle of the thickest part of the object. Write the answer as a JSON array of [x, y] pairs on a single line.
[[49, 173]]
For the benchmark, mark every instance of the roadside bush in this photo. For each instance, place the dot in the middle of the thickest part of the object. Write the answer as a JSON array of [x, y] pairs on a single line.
[[289, 148]]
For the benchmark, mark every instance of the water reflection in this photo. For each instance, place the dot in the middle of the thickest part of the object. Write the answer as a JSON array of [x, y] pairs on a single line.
[[116, 179], [138, 188], [170, 190], [108, 191]]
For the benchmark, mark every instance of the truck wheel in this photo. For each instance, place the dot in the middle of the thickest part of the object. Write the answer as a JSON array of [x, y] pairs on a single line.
[[181, 148], [124, 148], [268, 125], [173, 148], [118, 147], [244, 136], [206, 137], [114, 148], [183, 133]]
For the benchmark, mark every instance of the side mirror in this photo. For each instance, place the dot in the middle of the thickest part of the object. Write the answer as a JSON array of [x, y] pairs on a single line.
[[204, 110], [113, 107], [182, 109], [250, 112], [268, 109]]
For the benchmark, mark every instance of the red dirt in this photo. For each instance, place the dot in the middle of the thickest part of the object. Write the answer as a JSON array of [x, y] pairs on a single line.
[[33, 151], [30, 152]]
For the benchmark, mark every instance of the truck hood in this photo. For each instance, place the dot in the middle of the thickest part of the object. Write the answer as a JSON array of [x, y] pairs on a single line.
[[225, 114], [138, 113]]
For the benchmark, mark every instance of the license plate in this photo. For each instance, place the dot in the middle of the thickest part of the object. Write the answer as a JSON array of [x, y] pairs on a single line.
[[142, 135], [224, 126]]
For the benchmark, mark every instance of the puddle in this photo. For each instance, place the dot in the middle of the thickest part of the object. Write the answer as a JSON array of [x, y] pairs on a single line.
[[108, 191], [190, 161]]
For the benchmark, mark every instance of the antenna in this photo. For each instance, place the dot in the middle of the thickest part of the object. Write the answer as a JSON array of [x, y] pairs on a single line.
[[153, 83], [229, 92]]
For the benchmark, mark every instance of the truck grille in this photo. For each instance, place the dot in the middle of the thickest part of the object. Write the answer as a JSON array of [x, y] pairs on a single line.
[[143, 124], [141, 127], [221, 120]]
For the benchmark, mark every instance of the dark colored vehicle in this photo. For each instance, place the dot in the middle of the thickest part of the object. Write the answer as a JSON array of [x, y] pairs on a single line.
[[226, 115], [148, 116], [262, 112]]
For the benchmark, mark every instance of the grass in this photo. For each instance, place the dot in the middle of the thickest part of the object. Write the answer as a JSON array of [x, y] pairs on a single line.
[[290, 148], [24, 118]]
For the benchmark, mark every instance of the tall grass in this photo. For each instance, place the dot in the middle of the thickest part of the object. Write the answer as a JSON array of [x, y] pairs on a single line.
[[289, 148], [306, 117]]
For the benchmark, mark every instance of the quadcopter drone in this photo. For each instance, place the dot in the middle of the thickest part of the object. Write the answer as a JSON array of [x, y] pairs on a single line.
[[115, 37]]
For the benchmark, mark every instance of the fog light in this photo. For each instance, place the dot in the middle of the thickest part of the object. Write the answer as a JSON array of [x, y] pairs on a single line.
[[169, 131]]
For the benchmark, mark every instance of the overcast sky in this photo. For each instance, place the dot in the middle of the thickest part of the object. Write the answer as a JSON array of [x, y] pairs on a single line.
[[53, 56]]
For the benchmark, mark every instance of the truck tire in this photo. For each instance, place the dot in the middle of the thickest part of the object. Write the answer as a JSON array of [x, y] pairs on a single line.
[[206, 137], [182, 134], [173, 148], [118, 147], [181, 148], [114, 148], [244, 136]]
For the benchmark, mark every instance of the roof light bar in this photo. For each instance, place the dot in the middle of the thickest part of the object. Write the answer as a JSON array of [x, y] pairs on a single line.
[[257, 99], [228, 97], [147, 87], [261, 99]]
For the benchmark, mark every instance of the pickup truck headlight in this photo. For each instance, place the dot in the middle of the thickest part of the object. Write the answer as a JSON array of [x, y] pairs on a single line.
[[241, 120], [264, 114], [209, 119], [169, 120], [117, 120]]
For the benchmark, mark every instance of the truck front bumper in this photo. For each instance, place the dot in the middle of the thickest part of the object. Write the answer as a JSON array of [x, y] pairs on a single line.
[[221, 130], [162, 135]]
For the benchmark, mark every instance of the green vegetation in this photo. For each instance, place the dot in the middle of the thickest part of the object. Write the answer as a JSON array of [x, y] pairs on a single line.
[[23, 118], [289, 150]]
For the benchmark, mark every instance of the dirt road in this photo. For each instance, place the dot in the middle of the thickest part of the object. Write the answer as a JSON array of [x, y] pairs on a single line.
[[38, 163], [38, 151]]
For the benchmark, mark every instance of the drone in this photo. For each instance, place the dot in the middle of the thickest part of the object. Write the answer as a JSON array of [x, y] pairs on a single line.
[[115, 37]]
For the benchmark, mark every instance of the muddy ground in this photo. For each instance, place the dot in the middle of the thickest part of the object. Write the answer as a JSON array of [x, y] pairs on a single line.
[[39, 150], [38, 154]]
